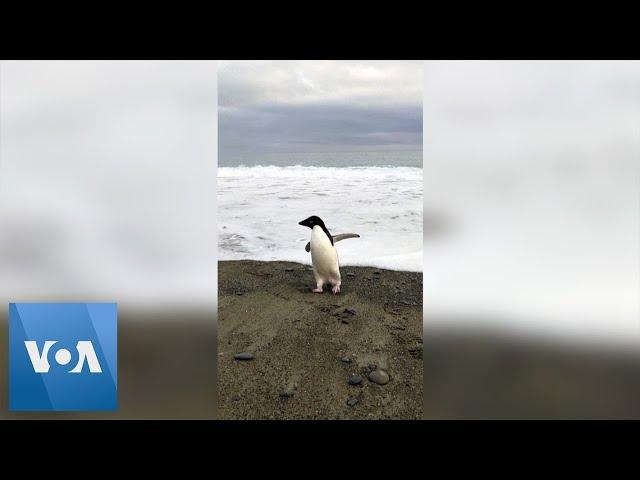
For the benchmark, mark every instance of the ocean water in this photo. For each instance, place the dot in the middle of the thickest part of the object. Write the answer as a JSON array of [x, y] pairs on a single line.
[[375, 158], [259, 208]]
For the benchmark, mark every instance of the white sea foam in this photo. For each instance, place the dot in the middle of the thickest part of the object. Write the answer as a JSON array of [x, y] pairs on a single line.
[[259, 209]]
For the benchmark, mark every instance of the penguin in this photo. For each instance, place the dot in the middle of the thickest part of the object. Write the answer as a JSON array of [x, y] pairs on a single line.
[[324, 257]]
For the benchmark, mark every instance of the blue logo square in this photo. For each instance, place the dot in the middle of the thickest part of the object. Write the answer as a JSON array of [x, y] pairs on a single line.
[[63, 356]]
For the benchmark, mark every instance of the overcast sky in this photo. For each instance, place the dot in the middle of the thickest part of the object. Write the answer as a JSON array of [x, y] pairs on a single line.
[[316, 106]]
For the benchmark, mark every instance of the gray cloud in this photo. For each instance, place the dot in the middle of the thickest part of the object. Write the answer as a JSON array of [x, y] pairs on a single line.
[[276, 107]]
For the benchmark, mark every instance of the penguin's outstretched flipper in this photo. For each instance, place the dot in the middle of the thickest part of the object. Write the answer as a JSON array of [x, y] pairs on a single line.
[[336, 238], [344, 236]]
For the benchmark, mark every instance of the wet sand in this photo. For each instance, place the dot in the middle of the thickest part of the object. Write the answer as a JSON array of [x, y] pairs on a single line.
[[306, 346]]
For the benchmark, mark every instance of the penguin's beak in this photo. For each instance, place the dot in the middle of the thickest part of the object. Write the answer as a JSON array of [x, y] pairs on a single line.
[[307, 222]]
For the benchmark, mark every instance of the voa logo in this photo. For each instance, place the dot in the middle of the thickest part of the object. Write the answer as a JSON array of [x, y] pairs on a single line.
[[63, 357], [40, 360]]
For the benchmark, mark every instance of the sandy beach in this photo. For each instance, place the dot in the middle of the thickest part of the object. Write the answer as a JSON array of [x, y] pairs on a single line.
[[468, 374], [306, 347]]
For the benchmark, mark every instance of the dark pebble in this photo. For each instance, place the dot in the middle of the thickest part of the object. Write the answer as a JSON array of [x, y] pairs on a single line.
[[239, 294], [243, 356], [344, 320], [286, 394], [288, 269], [352, 401], [379, 376], [355, 379], [416, 352], [376, 273], [350, 311]]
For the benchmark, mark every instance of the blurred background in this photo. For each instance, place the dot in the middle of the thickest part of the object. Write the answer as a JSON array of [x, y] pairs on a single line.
[[107, 193], [531, 239]]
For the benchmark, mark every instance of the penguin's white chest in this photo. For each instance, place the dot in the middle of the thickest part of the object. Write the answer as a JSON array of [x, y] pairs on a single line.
[[324, 255]]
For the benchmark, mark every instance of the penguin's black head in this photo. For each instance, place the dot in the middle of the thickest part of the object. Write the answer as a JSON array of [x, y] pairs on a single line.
[[312, 222]]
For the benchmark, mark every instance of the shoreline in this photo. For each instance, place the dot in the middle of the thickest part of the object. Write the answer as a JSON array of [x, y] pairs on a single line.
[[306, 346], [342, 267]]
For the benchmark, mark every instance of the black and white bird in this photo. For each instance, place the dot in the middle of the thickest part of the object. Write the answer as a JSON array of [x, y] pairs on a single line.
[[324, 257]]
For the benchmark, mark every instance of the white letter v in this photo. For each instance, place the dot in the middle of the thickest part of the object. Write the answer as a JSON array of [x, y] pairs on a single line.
[[40, 362]]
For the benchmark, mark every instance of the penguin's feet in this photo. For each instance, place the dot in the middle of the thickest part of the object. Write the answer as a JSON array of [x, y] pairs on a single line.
[[336, 289], [317, 290]]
